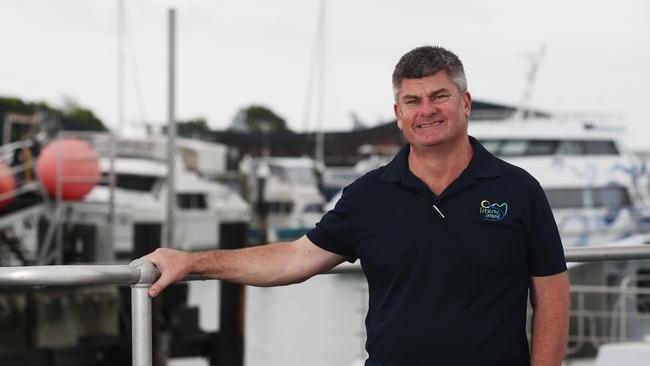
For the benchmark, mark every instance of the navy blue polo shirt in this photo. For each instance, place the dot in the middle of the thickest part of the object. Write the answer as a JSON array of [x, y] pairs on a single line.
[[447, 287]]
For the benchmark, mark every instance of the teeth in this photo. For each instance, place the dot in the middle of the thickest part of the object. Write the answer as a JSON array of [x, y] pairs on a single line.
[[430, 124]]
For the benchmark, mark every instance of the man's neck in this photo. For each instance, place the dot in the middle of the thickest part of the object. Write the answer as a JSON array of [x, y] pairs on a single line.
[[439, 166]]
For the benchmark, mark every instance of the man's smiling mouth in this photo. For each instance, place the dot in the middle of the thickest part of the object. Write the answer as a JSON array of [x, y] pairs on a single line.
[[430, 124]]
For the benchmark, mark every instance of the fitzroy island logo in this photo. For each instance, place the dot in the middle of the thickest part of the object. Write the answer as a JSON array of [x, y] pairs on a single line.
[[493, 211]]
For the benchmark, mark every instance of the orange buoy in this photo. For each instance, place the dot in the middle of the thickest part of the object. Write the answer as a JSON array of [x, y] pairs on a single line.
[[7, 184], [73, 161]]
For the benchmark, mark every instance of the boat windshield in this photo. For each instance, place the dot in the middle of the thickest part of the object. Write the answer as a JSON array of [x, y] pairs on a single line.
[[304, 176], [537, 147], [298, 175], [132, 182]]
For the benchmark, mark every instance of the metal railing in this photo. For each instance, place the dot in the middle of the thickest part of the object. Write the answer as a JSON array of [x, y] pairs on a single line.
[[575, 255], [141, 274]]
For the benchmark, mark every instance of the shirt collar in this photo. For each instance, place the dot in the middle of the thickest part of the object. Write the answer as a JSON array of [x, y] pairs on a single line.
[[482, 165]]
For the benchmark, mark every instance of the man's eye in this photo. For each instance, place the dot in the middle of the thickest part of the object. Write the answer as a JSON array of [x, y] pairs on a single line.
[[439, 98], [411, 102]]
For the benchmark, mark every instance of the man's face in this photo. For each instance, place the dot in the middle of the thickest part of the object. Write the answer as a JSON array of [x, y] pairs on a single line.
[[432, 111]]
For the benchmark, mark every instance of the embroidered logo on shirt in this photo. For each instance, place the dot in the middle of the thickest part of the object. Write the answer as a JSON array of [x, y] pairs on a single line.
[[493, 211]]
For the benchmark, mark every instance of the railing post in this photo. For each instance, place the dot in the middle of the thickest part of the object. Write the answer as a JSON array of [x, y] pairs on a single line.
[[141, 313]]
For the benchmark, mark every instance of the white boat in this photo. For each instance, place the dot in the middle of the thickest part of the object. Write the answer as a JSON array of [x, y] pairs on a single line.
[[593, 184], [291, 192], [596, 188], [599, 196], [140, 198]]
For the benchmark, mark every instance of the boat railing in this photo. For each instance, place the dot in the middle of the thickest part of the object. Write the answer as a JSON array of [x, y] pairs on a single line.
[[140, 274]]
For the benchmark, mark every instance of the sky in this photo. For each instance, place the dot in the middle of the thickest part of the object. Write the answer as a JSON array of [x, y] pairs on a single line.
[[233, 53]]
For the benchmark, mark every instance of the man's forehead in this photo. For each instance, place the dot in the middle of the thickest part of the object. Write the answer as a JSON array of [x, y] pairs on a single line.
[[439, 80], [438, 73]]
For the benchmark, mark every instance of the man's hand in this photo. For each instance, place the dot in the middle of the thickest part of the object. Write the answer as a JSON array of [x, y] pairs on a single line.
[[173, 265]]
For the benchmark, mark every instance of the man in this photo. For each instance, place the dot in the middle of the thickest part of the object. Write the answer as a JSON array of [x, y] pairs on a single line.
[[450, 238]]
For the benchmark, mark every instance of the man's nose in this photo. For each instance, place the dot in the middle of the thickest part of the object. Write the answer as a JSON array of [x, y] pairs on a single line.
[[427, 107]]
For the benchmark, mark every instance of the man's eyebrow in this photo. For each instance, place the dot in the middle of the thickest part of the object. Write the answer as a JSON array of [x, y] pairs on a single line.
[[438, 91], [433, 93], [410, 97]]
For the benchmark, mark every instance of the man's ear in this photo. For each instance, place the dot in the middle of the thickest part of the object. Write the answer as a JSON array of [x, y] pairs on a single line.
[[467, 99], [398, 115]]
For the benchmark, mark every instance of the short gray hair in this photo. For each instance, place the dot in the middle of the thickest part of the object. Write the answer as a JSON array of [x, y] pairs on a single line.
[[426, 61]]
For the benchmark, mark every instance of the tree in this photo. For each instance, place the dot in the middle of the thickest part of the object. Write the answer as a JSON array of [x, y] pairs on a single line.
[[192, 127], [81, 119], [257, 118], [15, 105], [77, 118], [70, 117]]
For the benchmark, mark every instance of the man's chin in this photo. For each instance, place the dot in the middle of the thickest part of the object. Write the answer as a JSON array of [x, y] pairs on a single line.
[[427, 144]]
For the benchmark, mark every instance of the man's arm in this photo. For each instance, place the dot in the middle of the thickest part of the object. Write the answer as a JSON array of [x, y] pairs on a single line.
[[266, 265], [550, 299]]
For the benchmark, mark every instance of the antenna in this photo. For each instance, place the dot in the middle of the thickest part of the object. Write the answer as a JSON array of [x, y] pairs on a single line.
[[316, 81], [535, 60]]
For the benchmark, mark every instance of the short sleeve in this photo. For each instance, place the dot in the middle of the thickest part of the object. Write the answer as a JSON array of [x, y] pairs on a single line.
[[545, 253], [335, 232]]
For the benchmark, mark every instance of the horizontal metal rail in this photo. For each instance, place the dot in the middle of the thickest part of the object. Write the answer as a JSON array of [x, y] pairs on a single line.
[[607, 253], [69, 275], [576, 255]]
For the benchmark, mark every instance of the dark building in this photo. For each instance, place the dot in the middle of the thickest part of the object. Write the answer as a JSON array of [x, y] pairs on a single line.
[[341, 148]]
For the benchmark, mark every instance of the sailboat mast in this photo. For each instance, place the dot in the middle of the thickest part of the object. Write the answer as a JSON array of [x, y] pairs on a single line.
[[171, 132], [535, 60], [319, 154], [120, 66]]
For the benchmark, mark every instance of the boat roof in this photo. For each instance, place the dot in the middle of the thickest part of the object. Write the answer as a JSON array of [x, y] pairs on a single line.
[[136, 166], [562, 172], [289, 162], [186, 181], [542, 129]]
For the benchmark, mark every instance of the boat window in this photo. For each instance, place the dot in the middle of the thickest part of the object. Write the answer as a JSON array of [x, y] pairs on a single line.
[[191, 201], [492, 146], [297, 175], [569, 148], [550, 147], [304, 176], [613, 197], [132, 182], [520, 147], [313, 208], [280, 207], [513, 148], [278, 171], [542, 147], [600, 148], [597, 147], [565, 198]]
